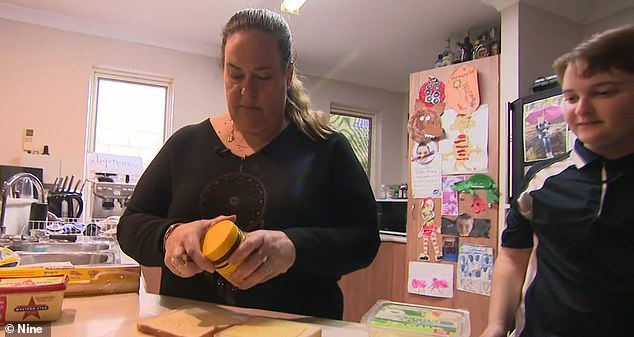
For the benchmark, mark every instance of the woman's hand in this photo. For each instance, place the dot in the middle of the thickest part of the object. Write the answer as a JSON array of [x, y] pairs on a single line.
[[263, 255], [182, 247]]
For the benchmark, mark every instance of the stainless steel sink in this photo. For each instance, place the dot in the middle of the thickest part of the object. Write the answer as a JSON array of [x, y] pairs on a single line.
[[75, 258], [58, 247], [77, 253]]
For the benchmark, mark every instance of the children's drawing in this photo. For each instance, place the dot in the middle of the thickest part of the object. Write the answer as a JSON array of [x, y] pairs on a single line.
[[428, 230], [432, 92], [425, 123], [463, 92], [449, 203], [430, 279], [464, 147], [425, 170], [475, 269], [449, 196], [425, 152]]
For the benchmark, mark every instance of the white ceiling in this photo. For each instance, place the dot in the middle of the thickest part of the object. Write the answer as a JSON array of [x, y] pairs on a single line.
[[375, 43]]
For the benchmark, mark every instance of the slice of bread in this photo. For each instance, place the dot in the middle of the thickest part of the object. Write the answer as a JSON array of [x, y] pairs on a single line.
[[269, 327], [189, 322]]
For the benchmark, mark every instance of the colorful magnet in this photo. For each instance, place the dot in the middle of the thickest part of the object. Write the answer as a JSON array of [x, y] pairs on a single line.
[[478, 181], [478, 205]]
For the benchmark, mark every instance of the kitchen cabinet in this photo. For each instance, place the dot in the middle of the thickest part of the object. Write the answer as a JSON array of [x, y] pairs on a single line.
[[384, 278]]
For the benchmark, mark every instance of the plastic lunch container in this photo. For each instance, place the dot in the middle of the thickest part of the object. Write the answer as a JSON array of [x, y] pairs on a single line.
[[394, 319], [31, 298]]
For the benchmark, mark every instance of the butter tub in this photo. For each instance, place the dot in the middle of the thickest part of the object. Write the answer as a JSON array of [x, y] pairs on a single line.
[[96, 279], [33, 299], [394, 319]]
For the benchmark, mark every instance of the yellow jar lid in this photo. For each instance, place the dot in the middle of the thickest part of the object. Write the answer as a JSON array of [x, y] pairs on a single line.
[[219, 239]]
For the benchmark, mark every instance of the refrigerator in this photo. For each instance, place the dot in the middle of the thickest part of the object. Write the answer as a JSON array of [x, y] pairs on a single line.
[[453, 142], [538, 132]]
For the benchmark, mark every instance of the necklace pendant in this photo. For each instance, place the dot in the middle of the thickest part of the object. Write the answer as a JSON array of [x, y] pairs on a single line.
[[230, 138]]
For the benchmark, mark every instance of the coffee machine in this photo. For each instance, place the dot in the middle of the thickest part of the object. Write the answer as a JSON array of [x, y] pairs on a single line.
[[109, 197], [112, 181]]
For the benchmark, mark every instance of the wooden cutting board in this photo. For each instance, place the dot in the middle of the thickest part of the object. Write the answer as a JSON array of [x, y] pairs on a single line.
[[193, 321]]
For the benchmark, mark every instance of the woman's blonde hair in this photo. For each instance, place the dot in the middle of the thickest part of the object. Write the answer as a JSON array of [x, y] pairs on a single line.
[[312, 123]]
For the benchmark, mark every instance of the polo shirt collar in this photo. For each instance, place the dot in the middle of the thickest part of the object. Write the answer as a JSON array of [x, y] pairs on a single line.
[[582, 156]]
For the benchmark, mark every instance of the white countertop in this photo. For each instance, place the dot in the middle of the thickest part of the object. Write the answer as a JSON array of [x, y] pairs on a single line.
[[116, 315], [387, 236]]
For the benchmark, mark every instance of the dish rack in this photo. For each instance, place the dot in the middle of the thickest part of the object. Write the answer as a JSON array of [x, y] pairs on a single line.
[[106, 227]]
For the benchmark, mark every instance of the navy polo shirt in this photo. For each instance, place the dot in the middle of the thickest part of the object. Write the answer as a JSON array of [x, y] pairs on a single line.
[[580, 210]]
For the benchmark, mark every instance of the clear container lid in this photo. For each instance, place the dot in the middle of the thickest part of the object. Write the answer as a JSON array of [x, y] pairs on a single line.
[[417, 319]]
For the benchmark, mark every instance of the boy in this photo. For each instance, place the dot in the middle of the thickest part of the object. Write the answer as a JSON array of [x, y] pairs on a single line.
[[578, 207]]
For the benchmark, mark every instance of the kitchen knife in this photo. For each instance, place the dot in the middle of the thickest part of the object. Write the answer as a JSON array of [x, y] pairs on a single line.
[[70, 183], [58, 187], [63, 187], [54, 184]]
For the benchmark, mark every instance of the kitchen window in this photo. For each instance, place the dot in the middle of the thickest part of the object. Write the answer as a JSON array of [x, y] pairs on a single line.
[[130, 113], [359, 128]]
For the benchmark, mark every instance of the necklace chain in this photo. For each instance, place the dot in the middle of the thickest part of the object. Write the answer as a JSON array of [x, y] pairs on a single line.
[[232, 139]]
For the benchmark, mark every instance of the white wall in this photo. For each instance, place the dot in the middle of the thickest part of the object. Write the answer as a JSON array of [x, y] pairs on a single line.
[[45, 76], [45, 86], [391, 110], [621, 18], [543, 37]]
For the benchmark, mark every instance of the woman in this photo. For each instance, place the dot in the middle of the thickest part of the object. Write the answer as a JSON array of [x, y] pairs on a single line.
[[271, 164]]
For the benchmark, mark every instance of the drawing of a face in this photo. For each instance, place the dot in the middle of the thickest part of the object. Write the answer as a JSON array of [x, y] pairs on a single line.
[[425, 123], [429, 121], [432, 92], [462, 123], [428, 204], [425, 152]]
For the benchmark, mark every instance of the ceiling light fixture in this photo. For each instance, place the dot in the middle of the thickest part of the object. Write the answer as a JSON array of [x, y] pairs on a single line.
[[292, 6]]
